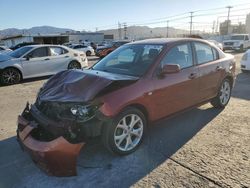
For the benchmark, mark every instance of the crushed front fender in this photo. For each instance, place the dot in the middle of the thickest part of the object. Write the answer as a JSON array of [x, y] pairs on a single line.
[[57, 157]]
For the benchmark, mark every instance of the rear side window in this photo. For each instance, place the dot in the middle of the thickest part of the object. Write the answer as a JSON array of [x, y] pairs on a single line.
[[39, 52], [55, 51], [204, 53], [181, 55], [215, 54]]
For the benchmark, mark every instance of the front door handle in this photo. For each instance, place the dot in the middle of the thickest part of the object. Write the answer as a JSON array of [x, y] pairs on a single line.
[[218, 68], [192, 75], [46, 59]]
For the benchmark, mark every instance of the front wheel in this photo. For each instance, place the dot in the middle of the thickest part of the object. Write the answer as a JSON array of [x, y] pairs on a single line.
[[125, 133], [224, 94], [10, 76]]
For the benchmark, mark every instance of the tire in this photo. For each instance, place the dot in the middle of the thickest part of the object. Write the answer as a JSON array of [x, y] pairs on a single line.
[[10, 76], [241, 48], [74, 65], [88, 53], [121, 139], [223, 96]]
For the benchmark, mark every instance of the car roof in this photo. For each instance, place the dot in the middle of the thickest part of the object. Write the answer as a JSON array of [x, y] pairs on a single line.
[[163, 41], [43, 45]]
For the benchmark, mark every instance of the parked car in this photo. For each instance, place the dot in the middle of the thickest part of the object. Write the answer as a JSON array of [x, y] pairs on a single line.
[[38, 60], [105, 50], [4, 50], [80, 47], [22, 44], [120, 96], [216, 43], [245, 62], [238, 42]]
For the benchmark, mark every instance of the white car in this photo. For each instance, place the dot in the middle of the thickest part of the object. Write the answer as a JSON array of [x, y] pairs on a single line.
[[87, 49], [237, 42], [4, 50], [245, 62], [38, 60]]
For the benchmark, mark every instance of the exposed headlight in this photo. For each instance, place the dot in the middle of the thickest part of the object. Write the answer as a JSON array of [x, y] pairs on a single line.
[[84, 112]]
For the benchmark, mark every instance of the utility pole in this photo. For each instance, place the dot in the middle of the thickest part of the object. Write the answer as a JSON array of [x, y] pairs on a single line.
[[125, 30], [119, 31], [191, 22], [167, 27], [228, 14]]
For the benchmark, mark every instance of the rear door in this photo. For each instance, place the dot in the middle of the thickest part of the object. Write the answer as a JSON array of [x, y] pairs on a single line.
[[37, 62], [210, 68], [59, 59], [176, 91]]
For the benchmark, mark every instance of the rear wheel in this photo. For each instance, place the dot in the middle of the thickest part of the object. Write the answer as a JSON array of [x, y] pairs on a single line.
[[224, 94], [88, 53], [125, 133], [74, 65], [10, 76]]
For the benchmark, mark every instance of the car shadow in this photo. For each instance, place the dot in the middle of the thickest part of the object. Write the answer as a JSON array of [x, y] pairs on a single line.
[[99, 168], [242, 86], [29, 80]]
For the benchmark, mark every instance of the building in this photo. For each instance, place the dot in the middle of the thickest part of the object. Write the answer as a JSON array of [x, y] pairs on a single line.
[[227, 28], [248, 24], [80, 37], [40, 39]]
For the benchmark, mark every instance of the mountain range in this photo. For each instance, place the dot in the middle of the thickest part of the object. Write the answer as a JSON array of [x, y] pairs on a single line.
[[133, 32]]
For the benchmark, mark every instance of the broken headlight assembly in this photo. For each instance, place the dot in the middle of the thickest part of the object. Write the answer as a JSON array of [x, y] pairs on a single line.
[[84, 112]]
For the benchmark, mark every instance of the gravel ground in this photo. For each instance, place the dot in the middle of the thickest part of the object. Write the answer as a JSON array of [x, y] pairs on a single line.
[[203, 147]]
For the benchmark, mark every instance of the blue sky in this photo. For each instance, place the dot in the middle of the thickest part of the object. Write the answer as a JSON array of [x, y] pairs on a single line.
[[80, 14]]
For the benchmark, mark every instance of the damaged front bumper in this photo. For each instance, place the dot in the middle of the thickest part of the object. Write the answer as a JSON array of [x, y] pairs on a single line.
[[55, 156]]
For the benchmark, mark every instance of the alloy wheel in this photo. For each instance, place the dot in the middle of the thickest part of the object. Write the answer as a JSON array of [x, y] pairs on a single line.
[[225, 93], [128, 132], [10, 76]]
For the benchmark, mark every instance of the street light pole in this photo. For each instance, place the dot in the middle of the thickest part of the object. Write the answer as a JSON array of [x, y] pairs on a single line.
[[167, 27], [228, 15], [191, 22]]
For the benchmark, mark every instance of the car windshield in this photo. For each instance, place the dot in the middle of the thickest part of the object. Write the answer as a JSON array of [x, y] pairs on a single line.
[[238, 37], [132, 59], [19, 52]]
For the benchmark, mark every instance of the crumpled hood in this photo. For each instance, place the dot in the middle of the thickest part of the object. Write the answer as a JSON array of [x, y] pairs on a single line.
[[81, 85]]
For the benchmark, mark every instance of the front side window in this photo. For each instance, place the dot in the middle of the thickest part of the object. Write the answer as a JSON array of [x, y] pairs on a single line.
[[131, 60], [56, 51], [39, 52], [181, 55], [204, 53]]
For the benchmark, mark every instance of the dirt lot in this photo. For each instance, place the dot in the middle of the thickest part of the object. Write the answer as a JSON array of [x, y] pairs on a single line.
[[204, 147]]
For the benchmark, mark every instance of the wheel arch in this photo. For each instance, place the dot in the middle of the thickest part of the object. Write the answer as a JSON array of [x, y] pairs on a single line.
[[140, 107], [231, 80], [13, 67]]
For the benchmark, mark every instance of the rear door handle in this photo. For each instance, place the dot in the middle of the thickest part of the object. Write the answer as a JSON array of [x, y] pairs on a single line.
[[46, 59], [192, 75]]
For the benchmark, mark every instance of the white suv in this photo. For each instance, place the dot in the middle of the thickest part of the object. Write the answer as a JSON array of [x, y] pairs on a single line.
[[237, 42], [39, 60]]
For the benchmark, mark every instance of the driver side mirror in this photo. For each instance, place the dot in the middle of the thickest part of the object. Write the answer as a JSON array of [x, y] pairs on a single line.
[[27, 57], [170, 68]]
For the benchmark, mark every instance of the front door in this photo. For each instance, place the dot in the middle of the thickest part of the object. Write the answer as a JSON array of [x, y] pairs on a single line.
[[37, 63], [176, 91]]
